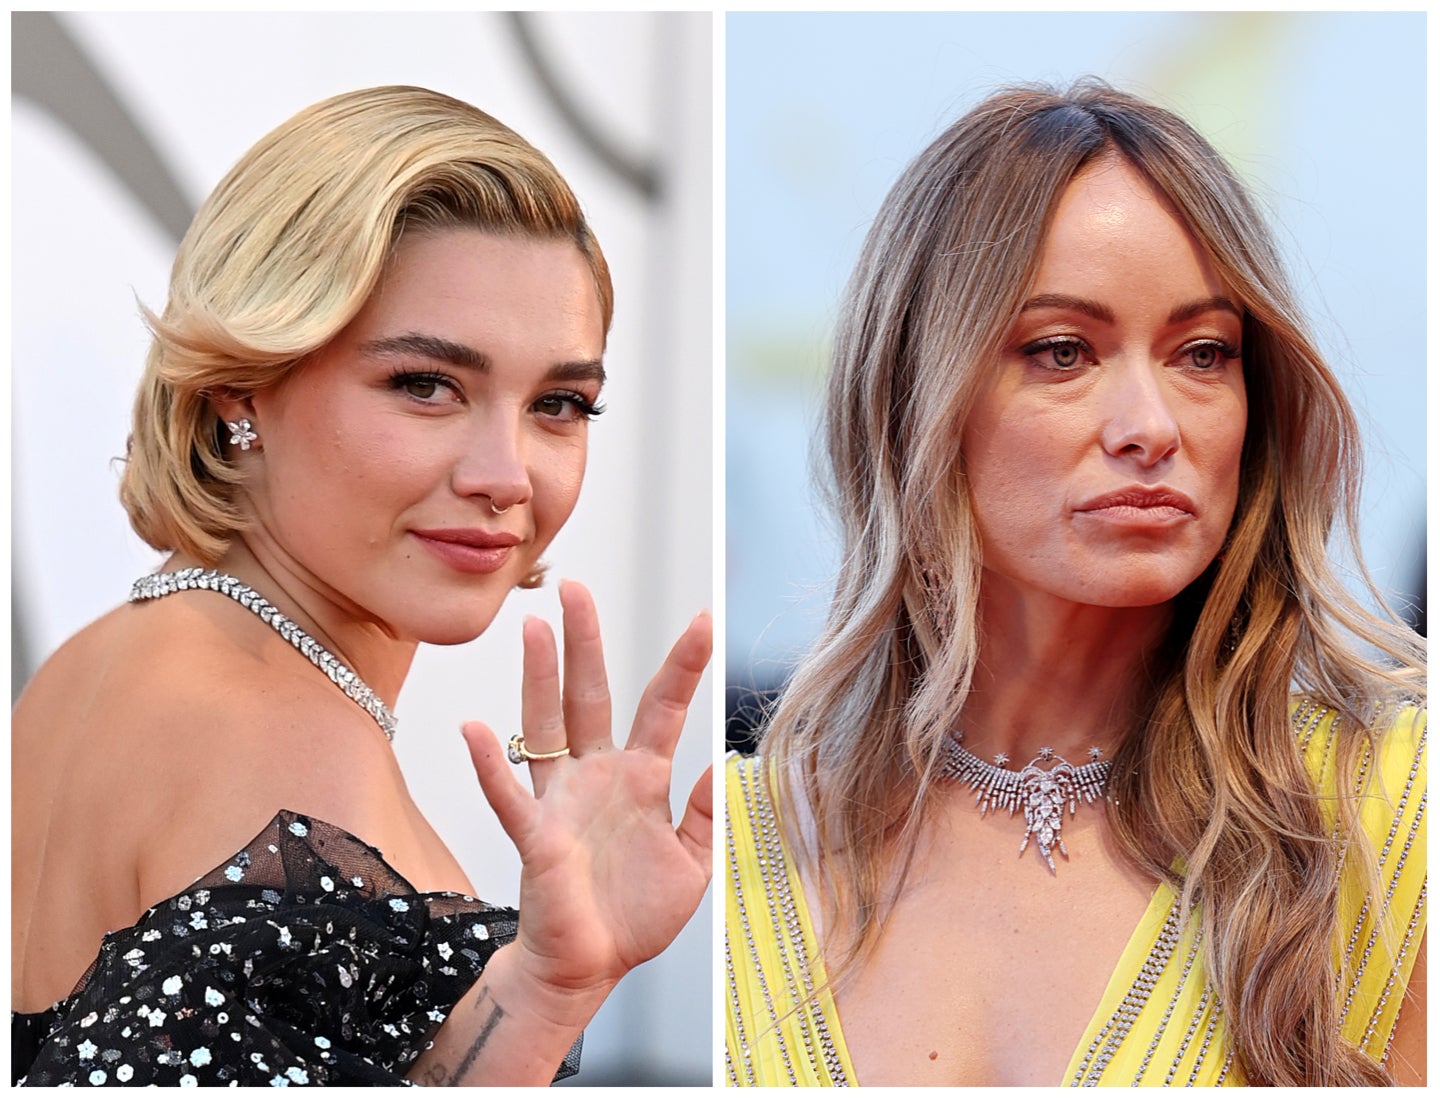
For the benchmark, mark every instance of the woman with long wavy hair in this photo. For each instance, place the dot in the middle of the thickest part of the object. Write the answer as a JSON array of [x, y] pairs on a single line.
[[1086, 459]]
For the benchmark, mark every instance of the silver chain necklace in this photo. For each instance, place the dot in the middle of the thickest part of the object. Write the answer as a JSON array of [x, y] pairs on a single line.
[[1041, 793], [156, 585]]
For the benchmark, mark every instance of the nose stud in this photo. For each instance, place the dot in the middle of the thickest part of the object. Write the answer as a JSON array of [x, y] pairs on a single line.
[[499, 511]]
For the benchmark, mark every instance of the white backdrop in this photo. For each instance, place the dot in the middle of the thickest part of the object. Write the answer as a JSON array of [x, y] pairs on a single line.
[[202, 89]]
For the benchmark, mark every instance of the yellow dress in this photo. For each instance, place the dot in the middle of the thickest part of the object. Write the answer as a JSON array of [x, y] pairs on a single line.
[[1159, 1022]]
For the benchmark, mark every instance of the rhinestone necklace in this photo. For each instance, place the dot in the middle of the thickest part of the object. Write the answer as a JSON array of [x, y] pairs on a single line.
[[156, 585], [1042, 793]]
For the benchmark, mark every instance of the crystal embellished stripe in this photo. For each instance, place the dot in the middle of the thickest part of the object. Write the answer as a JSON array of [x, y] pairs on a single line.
[[751, 952], [1207, 1020], [813, 1028], [1206, 996], [157, 585], [769, 872], [1114, 1031], [1390, 982], [1383, 915], [1180, 984], [1225, 1069], [732, 986], [1210, 1025], [787, 932]]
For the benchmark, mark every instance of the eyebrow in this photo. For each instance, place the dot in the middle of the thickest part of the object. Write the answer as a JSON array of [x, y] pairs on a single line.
[[1205, 305], [427, 347], [1102, 313], [462, 355]]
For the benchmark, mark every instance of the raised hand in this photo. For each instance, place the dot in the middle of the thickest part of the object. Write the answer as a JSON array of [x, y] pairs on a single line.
[[607, 880]]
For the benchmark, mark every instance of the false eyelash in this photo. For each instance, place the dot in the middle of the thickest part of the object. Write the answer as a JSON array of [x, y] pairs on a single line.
[[587, 408], [401, 377]]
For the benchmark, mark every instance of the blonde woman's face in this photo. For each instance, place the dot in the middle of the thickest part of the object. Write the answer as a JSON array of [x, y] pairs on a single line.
[[1103, 460], [417, 466]]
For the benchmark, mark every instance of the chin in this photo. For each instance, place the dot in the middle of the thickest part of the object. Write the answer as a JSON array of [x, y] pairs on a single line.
[[449, 622], [1148, 584]]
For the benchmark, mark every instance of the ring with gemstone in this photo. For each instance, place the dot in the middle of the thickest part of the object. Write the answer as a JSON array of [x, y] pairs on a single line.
[[519, 754]]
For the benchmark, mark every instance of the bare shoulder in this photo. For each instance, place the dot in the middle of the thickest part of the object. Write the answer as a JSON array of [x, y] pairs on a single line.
[[156, 716], [152, 747]]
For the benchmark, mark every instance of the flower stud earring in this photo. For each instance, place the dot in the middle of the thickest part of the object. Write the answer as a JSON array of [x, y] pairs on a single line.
[[241, 433]]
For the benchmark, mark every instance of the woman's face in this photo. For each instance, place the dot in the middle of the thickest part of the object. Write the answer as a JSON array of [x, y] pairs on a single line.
[[464, 386], [1103, 459]]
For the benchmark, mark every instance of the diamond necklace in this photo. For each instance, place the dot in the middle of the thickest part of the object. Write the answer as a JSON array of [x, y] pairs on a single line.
[[156, 585], [1042, 793]]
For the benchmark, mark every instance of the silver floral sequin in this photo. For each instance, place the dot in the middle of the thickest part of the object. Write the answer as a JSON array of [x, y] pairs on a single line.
[[292, 975]]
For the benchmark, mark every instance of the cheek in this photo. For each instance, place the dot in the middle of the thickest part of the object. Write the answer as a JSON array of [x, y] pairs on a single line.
[[1013, 462], [1225, 429], [558, 478]]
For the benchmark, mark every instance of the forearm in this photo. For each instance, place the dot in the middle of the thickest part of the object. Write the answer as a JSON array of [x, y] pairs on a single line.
[[507, 1030]]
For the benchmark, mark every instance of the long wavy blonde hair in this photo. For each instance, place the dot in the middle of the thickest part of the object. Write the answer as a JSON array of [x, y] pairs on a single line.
[[1214, 776]]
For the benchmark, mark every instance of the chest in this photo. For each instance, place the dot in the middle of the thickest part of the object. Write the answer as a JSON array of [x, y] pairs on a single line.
[[991, 968]]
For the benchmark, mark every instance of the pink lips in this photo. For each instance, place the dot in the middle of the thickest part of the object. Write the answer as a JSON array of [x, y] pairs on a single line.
[[1139, 506], [469, 549]]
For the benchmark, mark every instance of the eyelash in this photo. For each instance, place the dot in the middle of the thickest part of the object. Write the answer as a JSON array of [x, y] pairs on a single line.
[[401, 380], [1228, 352], [1033, 351], [585, 409]]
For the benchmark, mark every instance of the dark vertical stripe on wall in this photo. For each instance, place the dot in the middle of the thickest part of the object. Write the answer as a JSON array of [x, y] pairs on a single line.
[[50, 69]]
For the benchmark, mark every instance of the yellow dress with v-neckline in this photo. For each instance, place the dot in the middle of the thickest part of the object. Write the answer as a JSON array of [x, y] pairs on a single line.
[[1159, 1021]]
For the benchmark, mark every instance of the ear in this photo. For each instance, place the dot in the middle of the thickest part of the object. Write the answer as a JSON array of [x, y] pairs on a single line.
[[238, 430]]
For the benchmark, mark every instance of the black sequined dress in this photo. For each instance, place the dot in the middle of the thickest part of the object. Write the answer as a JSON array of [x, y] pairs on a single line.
[[304, 960]]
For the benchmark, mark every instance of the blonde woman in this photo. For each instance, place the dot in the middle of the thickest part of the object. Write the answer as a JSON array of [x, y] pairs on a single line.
[[363, 419], [1097, 774]]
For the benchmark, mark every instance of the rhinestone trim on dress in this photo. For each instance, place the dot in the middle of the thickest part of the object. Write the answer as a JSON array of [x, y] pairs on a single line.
[[788, 934], [157, 585], [1207, 1020]]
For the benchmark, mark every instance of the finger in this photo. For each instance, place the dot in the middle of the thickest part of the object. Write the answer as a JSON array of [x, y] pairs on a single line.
[[587, 689], [512, 803], [661, 714], [696, 826], [541, 720]]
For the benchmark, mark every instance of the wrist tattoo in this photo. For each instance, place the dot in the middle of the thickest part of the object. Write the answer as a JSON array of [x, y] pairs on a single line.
[[490, 1018]]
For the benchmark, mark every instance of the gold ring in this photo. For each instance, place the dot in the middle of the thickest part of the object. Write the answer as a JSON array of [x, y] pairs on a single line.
[[519, 754]]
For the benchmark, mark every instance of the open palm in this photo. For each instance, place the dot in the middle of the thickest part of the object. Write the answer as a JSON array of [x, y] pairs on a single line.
[[607, 879]]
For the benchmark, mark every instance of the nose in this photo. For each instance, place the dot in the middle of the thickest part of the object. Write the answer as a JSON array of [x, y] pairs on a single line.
[[492, 465], [1139, 422]]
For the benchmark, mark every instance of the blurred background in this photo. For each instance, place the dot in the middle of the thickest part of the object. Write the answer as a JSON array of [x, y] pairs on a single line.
[[1323, 115], [121, 124]]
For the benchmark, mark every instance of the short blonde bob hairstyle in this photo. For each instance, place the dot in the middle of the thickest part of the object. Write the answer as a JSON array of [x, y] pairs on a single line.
[[283, 255]]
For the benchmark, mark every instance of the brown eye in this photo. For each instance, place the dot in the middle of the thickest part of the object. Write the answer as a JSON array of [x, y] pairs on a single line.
[[567, 405], [1058, 353], [427, 387], [1209, 356]]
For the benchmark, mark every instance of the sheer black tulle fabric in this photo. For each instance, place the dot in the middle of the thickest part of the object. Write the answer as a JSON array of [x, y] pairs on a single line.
[[304, 960]]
